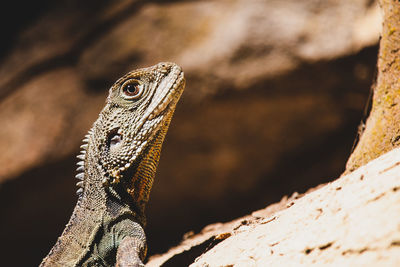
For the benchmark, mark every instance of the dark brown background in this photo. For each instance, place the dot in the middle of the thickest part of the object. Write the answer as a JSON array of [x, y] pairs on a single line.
[[275, 93]]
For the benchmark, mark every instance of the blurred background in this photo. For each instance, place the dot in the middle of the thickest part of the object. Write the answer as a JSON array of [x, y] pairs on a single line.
[[275, 93]]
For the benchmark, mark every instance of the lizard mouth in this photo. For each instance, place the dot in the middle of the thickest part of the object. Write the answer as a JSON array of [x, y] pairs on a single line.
[[163, 111], [169, 100]]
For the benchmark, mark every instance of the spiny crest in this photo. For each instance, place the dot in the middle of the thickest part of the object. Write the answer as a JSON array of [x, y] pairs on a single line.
[[81, 164]]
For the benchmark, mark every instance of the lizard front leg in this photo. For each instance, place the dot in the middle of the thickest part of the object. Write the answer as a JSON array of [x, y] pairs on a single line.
[[132, 247], [130, 252]]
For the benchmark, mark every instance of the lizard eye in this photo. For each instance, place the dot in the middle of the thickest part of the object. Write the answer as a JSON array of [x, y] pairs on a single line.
[[132, 89]]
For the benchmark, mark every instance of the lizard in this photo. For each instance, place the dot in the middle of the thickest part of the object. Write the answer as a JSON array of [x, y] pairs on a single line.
[[116, 170]]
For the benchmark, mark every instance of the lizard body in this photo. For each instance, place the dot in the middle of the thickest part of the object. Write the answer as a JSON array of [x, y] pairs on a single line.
[[119, 158]]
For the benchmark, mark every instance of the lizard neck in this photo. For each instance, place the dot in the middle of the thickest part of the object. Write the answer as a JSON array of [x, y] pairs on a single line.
[[79, 233], [94, 212], [99, 205]]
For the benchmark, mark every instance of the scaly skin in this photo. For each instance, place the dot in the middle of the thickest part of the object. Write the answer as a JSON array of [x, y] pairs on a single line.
[[119, 160]]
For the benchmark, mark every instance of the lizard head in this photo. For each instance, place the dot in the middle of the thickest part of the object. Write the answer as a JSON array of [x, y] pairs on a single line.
[[125, 142]]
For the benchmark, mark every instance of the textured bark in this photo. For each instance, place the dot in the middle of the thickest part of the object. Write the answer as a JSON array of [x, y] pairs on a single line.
[[382, 132]]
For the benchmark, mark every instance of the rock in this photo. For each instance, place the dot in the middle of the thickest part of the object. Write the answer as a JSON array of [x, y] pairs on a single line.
[[38, 125], [381, 130], [275, 91], [342, 223]]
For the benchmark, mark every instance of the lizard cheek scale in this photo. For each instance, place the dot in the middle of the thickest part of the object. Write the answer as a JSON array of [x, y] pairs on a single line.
[[116, 170]]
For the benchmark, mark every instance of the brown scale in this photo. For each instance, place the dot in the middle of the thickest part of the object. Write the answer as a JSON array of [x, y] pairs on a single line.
[[142, 180]]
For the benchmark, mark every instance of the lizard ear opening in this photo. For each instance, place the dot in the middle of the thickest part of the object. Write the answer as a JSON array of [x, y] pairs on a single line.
[[114, 139]]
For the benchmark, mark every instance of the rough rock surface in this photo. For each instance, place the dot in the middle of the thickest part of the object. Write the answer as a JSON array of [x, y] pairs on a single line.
[[352, 221], [381, 131], [274, 95]]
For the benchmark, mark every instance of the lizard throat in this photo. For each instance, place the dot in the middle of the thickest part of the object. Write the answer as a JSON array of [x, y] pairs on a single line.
[[142, 180], [137, 181]]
